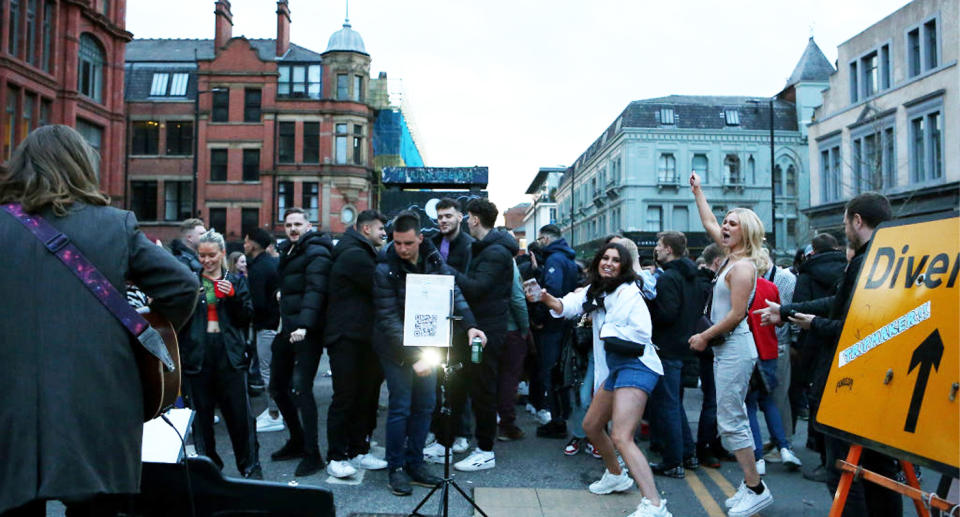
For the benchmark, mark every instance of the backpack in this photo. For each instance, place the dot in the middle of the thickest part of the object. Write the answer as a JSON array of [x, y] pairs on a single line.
[[764, 337]]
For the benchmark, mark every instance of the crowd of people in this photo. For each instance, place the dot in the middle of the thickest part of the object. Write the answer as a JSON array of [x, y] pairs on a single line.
[[601, 352]]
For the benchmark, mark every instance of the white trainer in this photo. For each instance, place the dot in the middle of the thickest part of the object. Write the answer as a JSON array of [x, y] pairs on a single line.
[[751, 502], [529, 408], [761, 467], [773, 456], [790, 460], [647, 509], [266, 423], [610, 483], [340, 469], [544, 416], [434, 453], [367, 462], [461, 444], [430, 439], [477, 460], [735, 498]]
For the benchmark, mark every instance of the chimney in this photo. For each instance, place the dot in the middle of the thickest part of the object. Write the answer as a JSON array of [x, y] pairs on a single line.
[[224, 27], [283, 27]]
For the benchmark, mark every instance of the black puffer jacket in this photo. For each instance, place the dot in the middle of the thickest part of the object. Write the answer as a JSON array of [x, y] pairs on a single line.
[[460, 253], [186, 255], [676, 308], [233, 314], [264, 281], [304, 268], [818, 276], [350, 315], [389, 296], [488, 283]]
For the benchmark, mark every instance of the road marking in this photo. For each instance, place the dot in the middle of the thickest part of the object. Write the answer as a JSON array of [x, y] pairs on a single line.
[[721, 482], [703, 495]]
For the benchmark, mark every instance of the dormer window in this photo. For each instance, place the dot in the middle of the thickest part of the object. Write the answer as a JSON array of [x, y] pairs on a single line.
[[666, 116], [165, 84], [732, 117]]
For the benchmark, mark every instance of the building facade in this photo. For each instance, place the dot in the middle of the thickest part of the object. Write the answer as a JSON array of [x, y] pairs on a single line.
[[60, 63], [890, 119], [238, 130], [543, 209]]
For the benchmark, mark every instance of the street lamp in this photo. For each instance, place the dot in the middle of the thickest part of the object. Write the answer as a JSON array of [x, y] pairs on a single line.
[[196, 141], [773, 185]]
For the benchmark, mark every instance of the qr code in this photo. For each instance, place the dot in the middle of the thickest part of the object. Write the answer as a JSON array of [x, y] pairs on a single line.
[[425, 325]]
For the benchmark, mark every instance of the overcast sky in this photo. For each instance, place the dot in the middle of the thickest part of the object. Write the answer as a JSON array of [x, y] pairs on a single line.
[[519, 84]]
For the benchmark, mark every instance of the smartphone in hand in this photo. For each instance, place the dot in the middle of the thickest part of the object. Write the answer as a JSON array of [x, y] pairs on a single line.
[[532, 290]]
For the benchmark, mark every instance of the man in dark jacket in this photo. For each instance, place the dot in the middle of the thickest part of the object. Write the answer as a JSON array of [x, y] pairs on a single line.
[[487, 287], [185, 247], [674, 312], [824, 318], [452, 243], [264, 282], [357, 376], [558, 275], [411, 380], [304, 268]]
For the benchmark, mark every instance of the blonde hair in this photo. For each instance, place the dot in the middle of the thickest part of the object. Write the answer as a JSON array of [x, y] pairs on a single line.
[[752, 230], [214, 237], [53, 167]]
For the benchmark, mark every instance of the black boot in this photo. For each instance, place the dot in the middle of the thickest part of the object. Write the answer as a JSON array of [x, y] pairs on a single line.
[[420, 476], [291, 450], [399, 482], [310, 464]]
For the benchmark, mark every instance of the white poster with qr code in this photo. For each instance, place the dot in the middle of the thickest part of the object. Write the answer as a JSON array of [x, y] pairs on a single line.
[[426, 310]]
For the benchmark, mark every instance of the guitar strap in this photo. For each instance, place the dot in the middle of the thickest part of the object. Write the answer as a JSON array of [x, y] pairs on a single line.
[[60, 246]]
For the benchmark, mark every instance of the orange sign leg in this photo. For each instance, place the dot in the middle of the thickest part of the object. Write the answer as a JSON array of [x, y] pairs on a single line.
[[911, 476], [843, 490]]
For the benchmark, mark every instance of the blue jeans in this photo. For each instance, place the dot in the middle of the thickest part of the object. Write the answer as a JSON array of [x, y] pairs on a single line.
[[770, 412], [670, 421], [586, 396], [408, 417], [707, 425]]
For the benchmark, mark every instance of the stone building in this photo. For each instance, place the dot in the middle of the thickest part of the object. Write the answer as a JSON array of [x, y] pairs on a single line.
[[543, 209]]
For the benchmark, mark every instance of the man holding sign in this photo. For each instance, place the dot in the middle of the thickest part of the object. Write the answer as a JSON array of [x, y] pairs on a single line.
[[411, 378]]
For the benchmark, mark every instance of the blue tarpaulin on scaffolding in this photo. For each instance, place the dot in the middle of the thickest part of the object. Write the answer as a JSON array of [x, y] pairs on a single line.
[[391, 137]]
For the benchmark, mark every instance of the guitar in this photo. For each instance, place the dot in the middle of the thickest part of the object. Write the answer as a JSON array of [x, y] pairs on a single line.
[[160, 386]]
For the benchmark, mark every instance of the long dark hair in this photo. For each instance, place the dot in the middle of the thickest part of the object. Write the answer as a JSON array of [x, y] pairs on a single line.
[[600, 286]]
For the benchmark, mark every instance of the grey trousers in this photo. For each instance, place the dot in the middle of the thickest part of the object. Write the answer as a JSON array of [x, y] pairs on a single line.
[[265, 354], [733, 364], [780, 393]]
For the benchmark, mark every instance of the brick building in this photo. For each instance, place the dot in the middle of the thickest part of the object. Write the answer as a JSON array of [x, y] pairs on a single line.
[[61, 63], [276, 125]]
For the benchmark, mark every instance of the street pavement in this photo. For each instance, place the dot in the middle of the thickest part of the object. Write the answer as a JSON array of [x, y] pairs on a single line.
[[534, 478]]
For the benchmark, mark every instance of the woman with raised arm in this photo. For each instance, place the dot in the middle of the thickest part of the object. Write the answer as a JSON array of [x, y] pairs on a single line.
[[741, 235], [624, 356]]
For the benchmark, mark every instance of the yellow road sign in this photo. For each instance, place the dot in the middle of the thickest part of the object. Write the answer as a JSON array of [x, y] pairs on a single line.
[[894, 378]]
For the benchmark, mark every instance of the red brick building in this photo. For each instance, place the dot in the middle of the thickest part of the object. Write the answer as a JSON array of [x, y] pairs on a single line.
[[61, 62], [277, 125]]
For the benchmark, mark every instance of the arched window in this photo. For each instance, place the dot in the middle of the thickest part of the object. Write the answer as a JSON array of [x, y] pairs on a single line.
[[700, 166], [785, 177], [752, 169], [777, 180], [791, 180], [90, 68], [731, 163]]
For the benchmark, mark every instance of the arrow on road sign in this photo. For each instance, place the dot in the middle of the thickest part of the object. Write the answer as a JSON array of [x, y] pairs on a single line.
[[927, 355]]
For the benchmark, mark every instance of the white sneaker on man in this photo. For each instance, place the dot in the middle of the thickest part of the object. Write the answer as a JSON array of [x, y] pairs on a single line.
[[529, 408], [751, 502], [340, 469], [735, 498], [430, 439], [266, 423], [367, 462], [761, 467], [790, 460], [477, 460], [434, 453], [544, 416], [772, 456], [460, 444], [609, 483], [647, 509]]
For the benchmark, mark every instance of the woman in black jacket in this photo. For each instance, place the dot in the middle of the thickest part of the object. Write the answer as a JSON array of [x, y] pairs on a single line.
[[213, 362]]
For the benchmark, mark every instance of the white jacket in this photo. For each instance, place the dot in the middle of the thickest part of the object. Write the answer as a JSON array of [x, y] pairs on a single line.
[[624, 315]]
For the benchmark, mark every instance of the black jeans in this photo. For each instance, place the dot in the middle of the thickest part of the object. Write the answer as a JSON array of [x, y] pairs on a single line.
[[352, 415], [480, 381], [221, 385], [96, 506], [865, 499], [550, 345], [707, 434], [292, 371]]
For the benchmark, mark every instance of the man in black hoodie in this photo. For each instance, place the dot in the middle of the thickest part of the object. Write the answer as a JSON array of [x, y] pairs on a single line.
[[356, 371], [304, 268], [674, 312], [487, 287]]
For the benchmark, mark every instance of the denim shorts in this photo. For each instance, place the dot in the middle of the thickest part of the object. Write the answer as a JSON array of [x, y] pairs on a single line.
[[629, 372]]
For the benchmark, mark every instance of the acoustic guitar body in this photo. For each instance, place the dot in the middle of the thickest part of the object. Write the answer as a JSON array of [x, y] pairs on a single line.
[[160, 387]]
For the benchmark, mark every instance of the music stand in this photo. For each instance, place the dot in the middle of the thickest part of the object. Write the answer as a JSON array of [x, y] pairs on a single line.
[[445, 415]]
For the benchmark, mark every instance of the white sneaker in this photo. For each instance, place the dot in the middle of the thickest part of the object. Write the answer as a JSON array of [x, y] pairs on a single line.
[[790, 460], [735, 498], [461, 444], [530, 409], [266, 423], [477, 460], [761, 467], [751, 503], [216, 419], [543, 416], [523, 388], [612, 483], [367, 462], [340, 469], [434, 453], [773, 456], [430, 439], [647, 509]]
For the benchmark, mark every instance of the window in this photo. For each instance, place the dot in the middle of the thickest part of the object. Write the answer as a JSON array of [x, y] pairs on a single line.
[[105, 7], [700, 166], [143, 200], [218, 165], [357, 144], [830, 173], [311, 200], [179, 137], [221, 106], [251, 105], [358, 88], [251, 165], [777, 180], [311, 142], [654, 219], [341, 143], [854, 83], [299, 81], [45, 112], [287, 143], [159, 85], [249, 220], [681, 218], [913, 53], [871, 74], [667, 169], [10, 119], [731, 165], [48, 7], [29, 121], [13, 41], [666, 116], [857, 165], [284, 198], [90, 68], [177, 200], [218, 219], [342, 87], [885, 71], [791, 180], [926, 158], [146, 137], [751, 171], [93, 134], [889, 164], [732, 117], [868, 158], [930, 44], [31, 48]]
